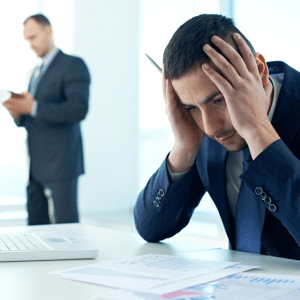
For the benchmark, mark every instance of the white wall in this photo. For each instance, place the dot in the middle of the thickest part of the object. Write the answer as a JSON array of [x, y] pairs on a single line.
[[272, 26], [106, 36], [16, 59]]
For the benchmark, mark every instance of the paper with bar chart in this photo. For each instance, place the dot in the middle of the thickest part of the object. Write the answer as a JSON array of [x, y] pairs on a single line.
[[241, 286]]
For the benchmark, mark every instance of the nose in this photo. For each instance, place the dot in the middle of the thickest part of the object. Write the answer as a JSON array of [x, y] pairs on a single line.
[[212, 122]]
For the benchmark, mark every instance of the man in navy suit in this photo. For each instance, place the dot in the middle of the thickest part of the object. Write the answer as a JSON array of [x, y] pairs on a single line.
[[223, 101], [51, 112]]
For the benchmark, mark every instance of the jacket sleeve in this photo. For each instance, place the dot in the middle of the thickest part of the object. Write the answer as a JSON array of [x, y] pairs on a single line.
[[163, 208], [277, 171], [74, 89], [20, 121]]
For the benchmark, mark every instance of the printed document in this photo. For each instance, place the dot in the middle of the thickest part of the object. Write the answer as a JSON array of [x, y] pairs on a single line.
[[156, 274], [241, 286]]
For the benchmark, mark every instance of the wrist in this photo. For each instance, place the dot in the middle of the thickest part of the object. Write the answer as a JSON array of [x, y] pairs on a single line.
[[181, 160], [259, 139]]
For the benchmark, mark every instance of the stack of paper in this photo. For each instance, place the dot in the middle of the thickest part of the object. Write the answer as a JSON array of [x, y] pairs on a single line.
[[154, 274]]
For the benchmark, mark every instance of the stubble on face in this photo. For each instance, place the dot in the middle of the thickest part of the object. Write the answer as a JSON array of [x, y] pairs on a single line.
[[230, 140]]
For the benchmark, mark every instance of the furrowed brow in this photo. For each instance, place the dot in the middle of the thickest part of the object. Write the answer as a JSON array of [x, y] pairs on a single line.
[[208, 99], [211, 97]]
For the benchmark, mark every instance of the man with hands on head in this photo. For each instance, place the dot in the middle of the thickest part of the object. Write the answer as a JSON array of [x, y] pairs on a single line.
[[51, 111], [236, 123]]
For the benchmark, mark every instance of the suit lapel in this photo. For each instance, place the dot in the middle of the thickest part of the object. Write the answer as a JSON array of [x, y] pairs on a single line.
[[56, 61], [286, 116]]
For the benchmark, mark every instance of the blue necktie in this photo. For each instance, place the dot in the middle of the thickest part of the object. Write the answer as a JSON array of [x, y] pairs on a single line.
[[248, 220], [35, 79]]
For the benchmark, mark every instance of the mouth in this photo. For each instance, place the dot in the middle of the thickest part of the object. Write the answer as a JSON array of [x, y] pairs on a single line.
[[226, 138]]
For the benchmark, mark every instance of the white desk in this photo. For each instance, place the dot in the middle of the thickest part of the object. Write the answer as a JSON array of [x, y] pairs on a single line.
[[29, 280]]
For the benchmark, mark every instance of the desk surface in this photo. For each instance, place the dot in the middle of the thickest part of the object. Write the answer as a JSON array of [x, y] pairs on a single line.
[[30, 280]]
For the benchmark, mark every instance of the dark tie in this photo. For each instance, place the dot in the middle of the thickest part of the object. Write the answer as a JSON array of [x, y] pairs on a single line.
[[35, 79], [248, 221]]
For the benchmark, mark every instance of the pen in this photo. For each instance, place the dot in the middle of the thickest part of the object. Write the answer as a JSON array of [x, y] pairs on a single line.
[[154, 63]]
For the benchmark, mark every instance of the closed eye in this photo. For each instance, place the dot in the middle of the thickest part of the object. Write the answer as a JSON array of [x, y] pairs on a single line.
[[188, 107], [219, 101], [191, 108]]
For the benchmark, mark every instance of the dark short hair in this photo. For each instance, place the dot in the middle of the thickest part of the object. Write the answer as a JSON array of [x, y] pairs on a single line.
[[39, 18], [185, 52]]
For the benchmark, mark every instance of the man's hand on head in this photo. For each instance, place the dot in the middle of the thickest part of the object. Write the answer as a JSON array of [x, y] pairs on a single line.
[[21, 105], [188, 136], [246, 89]]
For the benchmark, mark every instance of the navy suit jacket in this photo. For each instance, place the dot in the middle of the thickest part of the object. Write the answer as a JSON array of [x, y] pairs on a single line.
[[54, 135], [163, 208]]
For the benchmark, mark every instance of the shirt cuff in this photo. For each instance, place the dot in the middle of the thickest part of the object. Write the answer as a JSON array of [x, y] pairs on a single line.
[[34, 108], [176, 176]]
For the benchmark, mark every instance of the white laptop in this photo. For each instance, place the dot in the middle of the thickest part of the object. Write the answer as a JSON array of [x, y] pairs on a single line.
[[44, 246]]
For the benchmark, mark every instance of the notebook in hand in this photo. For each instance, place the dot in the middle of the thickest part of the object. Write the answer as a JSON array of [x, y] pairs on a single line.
[[5, 95], [44, 246]]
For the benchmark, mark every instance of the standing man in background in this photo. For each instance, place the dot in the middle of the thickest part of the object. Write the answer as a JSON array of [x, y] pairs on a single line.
[[51, 111]]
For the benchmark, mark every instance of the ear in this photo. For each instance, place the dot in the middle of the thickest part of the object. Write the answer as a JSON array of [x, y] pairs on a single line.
[[49, 32], [262, 68]]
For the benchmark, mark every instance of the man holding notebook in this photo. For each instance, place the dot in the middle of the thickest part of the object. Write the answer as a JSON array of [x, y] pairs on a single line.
[[51, 112]]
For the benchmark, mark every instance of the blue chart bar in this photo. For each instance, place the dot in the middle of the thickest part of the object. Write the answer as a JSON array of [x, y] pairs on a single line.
[[268, 280], [271, 281], [262, 280]]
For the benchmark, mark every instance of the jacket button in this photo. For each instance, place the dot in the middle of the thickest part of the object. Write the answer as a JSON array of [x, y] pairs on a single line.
[[161, 193], [258, 190], [272, 207], [156, 203], [268, 200], [263, 196]]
